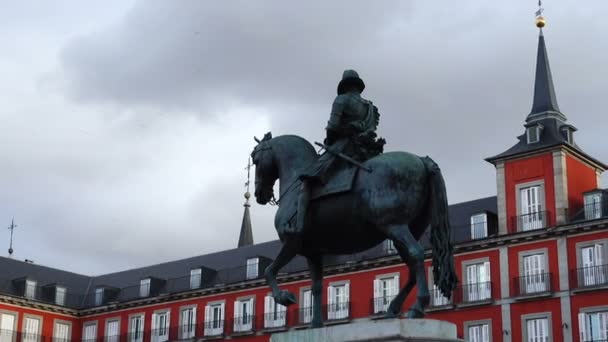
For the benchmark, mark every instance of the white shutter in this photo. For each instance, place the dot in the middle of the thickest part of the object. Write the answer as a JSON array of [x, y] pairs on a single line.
[[331, 310], [346, 304], [396, 284], [62, 332], [208, 319], [485, 333], [155, 327], [90, 332], [582, 326], [7, 324], [282, 315], [377, 296], [237, 315], [268, 312], [222, 314]]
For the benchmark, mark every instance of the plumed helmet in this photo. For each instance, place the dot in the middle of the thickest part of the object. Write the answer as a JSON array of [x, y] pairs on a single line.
[[350, 77]]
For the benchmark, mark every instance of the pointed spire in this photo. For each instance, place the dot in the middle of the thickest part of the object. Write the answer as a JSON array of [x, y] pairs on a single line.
[[246, 236], [545, 101]]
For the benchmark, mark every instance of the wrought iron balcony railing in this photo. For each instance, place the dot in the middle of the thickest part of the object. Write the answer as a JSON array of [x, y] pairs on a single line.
[[473, 293], [533, 284], [338, 311], [277, 319], [379, 305], [592, 276], [243, 324], [531, 221], [438, 300], [213, 327]]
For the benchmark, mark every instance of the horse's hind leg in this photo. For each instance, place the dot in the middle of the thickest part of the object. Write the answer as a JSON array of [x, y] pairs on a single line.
[[412, 254], [287, 252], [394, 309], [315, 264]]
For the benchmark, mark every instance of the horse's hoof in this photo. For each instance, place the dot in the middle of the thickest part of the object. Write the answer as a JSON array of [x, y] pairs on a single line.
[[316, 325], [285, 298], [415, 313], [391, 314]]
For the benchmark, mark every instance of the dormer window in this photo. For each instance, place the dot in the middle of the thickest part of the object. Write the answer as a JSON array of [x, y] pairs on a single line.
[[144, 287], [593, 205], [533, 134], [195, 278], [60, 295], [479, 226], [252, 268], [389, 247], [99, 296], [30, 289]]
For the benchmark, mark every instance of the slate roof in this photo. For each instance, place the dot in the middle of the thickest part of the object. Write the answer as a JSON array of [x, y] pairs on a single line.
[[228, 265]]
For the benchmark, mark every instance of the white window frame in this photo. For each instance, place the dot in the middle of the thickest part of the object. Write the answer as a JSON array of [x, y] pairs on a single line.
[[31, 333], [386, 287], [389, 247], [593, 206], [534, 267], [187, 322], [305, 305], [535, 322], [275, 314], [530, 200], [215, 313], [137, 327], [529, 137], [196, 277], [89, 331], [244, 314], [479, 226], [592, 261], [478, 331], [30, 289], [99, 296], [253, 265], [161, 324], [112, 331], [144, 287], [9, 330], [62, 331], [477, 280], [338, 300], [587, 321], [60, 295]]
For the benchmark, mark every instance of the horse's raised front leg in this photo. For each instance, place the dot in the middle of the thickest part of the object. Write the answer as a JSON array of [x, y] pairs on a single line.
[[286, 253], [315, 264], [412, 253]]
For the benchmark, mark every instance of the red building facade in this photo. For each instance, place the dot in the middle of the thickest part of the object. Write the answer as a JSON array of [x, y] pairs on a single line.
[[532, 263]]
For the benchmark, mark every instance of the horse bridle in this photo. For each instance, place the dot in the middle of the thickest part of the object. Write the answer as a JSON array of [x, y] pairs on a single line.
[[273, 201]]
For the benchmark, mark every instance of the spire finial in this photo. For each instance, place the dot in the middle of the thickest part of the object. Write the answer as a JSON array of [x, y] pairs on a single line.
[[11, 228], [247, 193], [540, 20]]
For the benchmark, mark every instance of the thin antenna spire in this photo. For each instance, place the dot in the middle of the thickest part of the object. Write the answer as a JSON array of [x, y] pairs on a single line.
[[248, 168], [12, 229]]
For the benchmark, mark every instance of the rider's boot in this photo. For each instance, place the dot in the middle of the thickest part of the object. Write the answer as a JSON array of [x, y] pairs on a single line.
[[302, 206]]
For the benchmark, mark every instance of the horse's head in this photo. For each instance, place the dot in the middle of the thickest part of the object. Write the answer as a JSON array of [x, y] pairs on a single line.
[[266, 170]]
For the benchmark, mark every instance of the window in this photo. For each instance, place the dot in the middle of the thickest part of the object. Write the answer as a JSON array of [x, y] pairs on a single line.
[[243, 315], [533, 134], [89, 332], [593, 206], [195, 278], [274, 313], [61, 333], [136, 328], [389, 247], [30, 289], [187, 322], [144, 287], [479, 226], [214, 319], [593, 271], [530, 208], [252, 268], [113, 331], [99, 296], [477, 332], [534, 276], [385, 289], [477, 285], [305, 306], [60, 295], [569, 135], [31, 329], [338, 301], [7, 327], [160, 326], [537, 330], [437, 297], [593, 326]]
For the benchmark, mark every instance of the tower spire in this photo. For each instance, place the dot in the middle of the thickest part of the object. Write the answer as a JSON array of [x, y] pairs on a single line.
[[545, 102], [246, 235], [12, 229]]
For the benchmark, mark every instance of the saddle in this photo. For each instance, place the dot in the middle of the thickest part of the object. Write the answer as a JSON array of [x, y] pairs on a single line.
[[340, 180]]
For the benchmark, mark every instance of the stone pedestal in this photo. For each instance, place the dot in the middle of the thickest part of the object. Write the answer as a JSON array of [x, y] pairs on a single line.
[[386, 330]]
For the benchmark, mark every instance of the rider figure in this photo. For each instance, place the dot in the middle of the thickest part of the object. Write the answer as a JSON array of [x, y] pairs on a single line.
[[351, 130]]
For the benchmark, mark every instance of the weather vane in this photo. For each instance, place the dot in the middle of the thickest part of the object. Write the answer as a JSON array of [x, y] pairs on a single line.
[[11, 228], [248, 168]]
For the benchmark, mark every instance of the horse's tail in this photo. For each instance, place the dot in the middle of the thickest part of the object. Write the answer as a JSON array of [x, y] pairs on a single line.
[[444, 274]]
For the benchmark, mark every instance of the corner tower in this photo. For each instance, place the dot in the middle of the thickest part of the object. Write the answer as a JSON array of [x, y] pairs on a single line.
[[541, 179]]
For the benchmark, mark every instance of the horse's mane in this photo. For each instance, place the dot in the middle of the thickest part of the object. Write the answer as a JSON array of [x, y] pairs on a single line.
[[305, 143]]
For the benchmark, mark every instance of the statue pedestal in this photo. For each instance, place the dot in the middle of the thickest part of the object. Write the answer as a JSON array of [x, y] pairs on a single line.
[[386, 330]]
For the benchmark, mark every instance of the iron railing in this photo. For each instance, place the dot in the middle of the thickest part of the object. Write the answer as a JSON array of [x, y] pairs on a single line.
[[244, 323], [438, 300], [473, 293], [533, 284], [305, 315], [531, 221], [379, 305], [337, 311], [277, 319], [592, 276], [214, 327]]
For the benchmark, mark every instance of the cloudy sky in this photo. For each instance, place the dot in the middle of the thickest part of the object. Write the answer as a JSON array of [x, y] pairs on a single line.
[[126, 125]]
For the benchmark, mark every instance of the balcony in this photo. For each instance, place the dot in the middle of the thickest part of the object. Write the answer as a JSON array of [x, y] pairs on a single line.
[[305, 315], [528, 222], [591, 277], [473, 294], [439, 302], [338, 311], [243, 324], [533, 285], [212, 328], [275, 320], [379, 305]]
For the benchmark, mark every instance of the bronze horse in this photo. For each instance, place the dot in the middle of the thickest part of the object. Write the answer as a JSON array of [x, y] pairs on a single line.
[[397, 200]]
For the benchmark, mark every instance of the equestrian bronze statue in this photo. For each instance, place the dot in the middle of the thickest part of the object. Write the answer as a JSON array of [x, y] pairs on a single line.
[[353, 197]]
